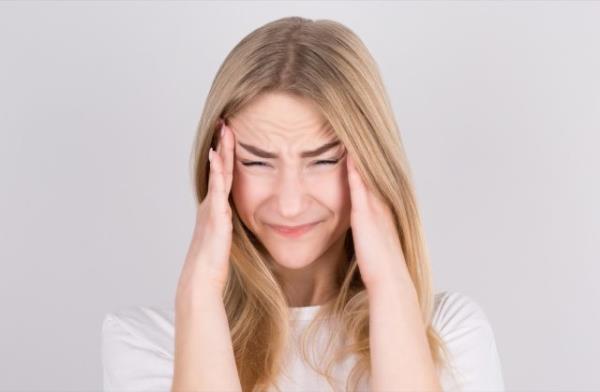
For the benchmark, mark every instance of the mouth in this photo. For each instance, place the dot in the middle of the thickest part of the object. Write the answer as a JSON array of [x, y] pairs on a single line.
[[293, 231]]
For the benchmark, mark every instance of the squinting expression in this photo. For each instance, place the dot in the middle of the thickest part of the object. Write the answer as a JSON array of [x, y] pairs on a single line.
[[290, 170]]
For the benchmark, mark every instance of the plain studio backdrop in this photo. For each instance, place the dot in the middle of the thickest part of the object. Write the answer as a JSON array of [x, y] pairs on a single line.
[[498, 104]]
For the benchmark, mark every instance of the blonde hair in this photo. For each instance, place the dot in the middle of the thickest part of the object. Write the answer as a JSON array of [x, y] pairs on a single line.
[[326, 62]]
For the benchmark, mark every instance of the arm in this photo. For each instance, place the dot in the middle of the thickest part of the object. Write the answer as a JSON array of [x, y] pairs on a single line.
[[400, 356], [204, 359]]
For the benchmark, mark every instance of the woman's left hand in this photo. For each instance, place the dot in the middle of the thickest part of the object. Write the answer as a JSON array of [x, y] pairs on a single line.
[[376, 242]]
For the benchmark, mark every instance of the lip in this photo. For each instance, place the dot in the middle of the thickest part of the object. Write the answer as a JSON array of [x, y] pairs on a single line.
[[293, 231]]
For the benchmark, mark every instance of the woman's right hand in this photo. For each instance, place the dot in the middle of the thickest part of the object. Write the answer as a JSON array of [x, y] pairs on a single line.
[[207, 260]]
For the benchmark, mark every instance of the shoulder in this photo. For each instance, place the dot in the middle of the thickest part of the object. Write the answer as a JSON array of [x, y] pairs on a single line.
[[148, 324], [138, 348], [453, 308], [469, 337]]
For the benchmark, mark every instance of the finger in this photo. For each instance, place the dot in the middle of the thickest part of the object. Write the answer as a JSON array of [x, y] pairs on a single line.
[[221, 147], [216, 183], [228, 143], [358, 192], [213, 173], [222, 150]]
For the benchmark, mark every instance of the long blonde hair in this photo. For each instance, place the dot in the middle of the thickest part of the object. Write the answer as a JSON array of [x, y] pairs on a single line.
[[326, 62]]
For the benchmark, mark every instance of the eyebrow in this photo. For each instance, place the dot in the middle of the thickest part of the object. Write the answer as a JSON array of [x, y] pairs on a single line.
[[306, 154]]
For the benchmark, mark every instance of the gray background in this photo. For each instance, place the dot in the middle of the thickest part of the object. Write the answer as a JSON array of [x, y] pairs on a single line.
[[498, 105]]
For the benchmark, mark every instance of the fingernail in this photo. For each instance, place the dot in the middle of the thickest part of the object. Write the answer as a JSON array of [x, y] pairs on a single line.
[[210, 152]]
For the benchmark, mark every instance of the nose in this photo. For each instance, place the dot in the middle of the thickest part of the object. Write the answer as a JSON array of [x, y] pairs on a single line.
[[291, 193]]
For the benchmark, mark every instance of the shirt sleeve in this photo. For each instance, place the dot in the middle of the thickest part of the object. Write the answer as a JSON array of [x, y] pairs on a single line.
[[131, 362], [474, 359]]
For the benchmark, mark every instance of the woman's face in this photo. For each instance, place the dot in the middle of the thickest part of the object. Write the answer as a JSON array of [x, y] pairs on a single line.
[[286, 187]]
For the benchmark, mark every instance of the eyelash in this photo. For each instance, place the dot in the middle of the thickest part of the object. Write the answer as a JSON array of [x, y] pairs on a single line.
[[325, 162]]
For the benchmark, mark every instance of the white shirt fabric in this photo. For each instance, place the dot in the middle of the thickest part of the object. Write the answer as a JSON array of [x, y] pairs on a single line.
[[138, 349]]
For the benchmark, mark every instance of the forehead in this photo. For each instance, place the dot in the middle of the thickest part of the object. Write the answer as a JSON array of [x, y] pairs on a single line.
[[277, 118]]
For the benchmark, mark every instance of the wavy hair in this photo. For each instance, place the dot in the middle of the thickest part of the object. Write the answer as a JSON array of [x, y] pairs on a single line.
[[326, 62]]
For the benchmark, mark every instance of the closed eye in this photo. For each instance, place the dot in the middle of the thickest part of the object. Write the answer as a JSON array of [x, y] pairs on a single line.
[[322, 162]]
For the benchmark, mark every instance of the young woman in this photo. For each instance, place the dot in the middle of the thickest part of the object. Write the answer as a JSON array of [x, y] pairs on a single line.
[[308, 268]]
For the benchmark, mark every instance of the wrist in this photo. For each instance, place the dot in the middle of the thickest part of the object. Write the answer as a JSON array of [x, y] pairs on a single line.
[[398, 282], [198, 293]]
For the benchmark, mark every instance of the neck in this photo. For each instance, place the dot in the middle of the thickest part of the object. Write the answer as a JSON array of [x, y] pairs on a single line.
[[316, 283]]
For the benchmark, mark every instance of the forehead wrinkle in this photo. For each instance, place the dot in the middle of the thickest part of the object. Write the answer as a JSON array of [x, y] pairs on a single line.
[[325, 130], [294, 132]]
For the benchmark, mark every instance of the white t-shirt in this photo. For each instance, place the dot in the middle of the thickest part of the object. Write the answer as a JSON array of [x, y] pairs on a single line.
[[138, 349]]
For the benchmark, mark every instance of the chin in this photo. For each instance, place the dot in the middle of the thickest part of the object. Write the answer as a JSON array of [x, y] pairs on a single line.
[[293, 257]]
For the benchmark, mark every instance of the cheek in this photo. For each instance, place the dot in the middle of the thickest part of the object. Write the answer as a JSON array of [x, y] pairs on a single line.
[[332, 191], [339, 193], [247, 195]]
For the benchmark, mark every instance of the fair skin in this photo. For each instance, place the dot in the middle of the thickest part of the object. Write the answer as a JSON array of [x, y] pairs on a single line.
[[291, 190]]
